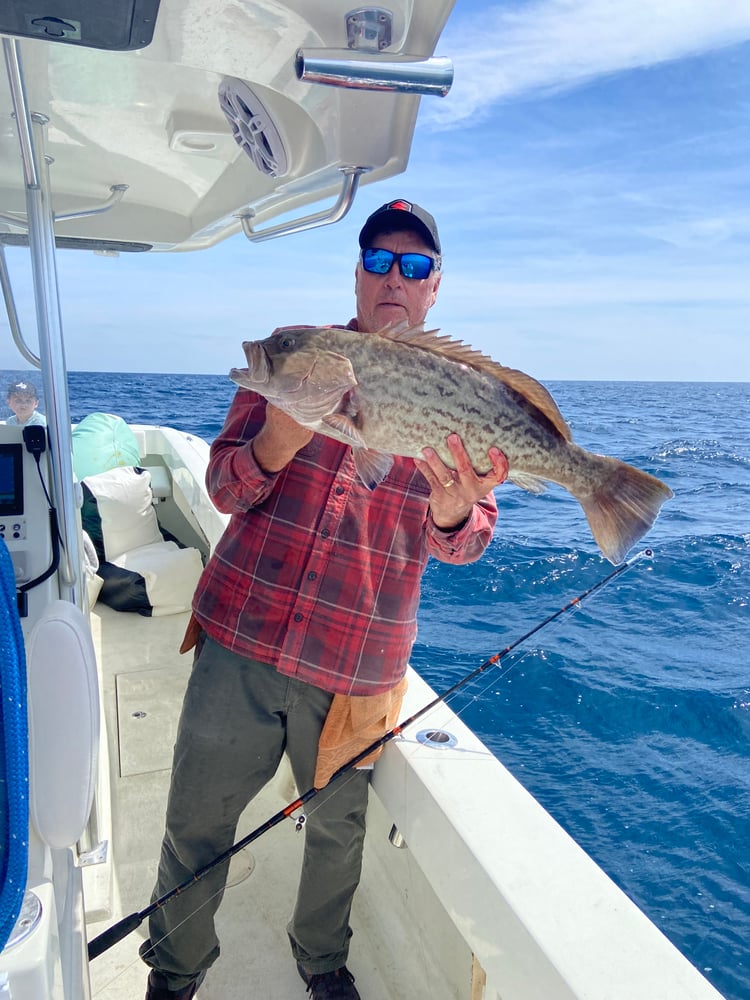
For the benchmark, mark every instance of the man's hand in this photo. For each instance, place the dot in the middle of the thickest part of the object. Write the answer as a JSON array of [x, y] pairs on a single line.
[[278, 440], [455, 491]]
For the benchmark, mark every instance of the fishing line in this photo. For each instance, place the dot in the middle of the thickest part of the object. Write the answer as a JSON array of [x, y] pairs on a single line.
[[494, 678], [123, 927], [138, 960]]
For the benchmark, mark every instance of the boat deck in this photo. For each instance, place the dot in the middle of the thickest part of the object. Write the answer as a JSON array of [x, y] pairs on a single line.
[[143, 682], [490, 900]]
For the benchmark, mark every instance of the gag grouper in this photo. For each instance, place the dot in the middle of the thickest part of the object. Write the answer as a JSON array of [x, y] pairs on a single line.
[[400, 390]]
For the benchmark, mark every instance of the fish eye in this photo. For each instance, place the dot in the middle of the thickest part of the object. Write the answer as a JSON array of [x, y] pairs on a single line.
[[287, 343]]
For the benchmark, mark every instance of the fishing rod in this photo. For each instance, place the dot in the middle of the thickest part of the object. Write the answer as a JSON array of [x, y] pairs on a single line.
[[104, 941]]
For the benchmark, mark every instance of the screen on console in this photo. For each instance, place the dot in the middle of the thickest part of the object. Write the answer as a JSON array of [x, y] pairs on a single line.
[[11, 479]]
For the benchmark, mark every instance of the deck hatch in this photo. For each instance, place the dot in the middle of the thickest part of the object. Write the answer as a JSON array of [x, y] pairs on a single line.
[[148, 708]]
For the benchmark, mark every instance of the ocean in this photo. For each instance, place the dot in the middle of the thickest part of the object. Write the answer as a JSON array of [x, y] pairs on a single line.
[[629, 718]]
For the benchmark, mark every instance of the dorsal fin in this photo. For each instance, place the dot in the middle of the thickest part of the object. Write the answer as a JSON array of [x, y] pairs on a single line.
[[456, 350]]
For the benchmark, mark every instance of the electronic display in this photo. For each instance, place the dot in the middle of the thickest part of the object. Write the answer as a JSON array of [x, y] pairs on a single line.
[[11, 479]]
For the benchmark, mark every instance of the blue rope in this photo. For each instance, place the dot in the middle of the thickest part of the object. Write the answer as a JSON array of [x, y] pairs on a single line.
[[14, 761]]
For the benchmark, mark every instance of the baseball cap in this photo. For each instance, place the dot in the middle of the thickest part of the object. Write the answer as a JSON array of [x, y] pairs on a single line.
[[22, 389], [400, 214]]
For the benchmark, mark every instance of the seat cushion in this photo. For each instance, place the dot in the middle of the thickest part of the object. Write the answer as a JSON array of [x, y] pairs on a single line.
[[118, 512]]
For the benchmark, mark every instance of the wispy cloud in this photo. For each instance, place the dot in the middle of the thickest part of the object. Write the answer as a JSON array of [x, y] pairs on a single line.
[[505, 52]]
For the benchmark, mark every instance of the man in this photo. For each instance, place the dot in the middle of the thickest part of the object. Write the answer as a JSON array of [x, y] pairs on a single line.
[[311, 593], [23, 399]]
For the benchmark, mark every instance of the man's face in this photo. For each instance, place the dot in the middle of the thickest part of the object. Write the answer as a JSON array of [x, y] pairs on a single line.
[[22, 405], [384, 299]]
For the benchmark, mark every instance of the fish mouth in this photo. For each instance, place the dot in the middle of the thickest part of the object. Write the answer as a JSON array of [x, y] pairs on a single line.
[[289, 380], [258, 364], [258, 371]]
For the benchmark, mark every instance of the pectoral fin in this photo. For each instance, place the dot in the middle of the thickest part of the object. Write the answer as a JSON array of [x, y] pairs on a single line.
[[372, 466], [344, 426]]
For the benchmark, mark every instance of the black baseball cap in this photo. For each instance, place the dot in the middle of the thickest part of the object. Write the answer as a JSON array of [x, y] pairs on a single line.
[[23, 389], [400, 214]]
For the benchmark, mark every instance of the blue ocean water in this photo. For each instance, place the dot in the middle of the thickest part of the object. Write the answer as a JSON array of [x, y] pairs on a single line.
[[628, 719]]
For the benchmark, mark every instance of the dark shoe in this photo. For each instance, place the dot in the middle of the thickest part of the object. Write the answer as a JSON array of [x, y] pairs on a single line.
[[336, 985], [157, 988]]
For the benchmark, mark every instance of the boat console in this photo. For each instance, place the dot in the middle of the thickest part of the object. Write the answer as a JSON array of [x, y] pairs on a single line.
[[27, 518]]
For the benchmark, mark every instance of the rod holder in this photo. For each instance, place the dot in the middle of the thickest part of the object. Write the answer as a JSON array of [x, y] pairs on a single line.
[[401, 74]]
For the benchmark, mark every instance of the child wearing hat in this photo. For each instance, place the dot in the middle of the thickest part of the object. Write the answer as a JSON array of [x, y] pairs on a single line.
[[23, 399]]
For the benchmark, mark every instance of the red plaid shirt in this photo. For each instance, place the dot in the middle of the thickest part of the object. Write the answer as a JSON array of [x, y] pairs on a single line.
[[315, 574]]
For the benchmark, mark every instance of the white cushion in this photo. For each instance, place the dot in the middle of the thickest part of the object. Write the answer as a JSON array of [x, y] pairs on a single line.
[[90, 566], [63, 703], [171, 575], [128, 519]]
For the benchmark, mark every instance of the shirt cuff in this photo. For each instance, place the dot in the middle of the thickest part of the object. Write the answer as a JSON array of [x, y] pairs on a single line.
[[454, 540], [255, 483]]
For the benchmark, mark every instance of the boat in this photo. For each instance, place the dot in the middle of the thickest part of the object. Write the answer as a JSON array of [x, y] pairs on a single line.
[[156, 126]]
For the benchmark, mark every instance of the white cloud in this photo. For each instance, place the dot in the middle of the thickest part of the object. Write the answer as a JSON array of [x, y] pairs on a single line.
[[506, 52]]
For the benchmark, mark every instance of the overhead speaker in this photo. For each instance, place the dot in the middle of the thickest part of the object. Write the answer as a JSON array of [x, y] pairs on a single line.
[[252, 127]]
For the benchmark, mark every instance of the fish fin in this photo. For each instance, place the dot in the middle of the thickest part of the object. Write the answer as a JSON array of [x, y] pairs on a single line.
[[428, 340], [372, 466], [532, 484], [344, 425], [529, 393], [536, 399], [623, 507]]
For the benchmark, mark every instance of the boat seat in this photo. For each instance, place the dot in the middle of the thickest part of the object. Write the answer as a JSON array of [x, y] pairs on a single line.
[[63, 700], [140, 569]]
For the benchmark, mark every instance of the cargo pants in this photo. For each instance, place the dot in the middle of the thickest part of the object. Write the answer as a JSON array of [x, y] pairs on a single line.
[[238, 717]]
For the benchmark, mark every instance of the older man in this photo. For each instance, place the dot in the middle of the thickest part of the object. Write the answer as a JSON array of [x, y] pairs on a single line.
[[311, 593]]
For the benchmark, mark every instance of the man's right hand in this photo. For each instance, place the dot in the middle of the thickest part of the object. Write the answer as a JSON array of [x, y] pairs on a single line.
[[278, 440]]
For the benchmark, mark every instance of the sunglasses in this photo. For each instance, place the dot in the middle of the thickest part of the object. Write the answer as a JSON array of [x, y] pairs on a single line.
[[411, 265]]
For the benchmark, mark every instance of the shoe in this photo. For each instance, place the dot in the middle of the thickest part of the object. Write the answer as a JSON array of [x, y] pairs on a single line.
[[336, 985], [157, 988]]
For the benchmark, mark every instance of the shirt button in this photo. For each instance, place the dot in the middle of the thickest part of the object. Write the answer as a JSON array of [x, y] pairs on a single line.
[[298, 617], [312, 576], [325, 532], [339, 490]]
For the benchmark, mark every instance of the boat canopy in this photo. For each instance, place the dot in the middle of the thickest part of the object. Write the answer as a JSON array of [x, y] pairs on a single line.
[[167, 127]]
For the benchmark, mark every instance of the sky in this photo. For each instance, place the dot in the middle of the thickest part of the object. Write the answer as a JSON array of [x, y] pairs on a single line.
[[590, 175]]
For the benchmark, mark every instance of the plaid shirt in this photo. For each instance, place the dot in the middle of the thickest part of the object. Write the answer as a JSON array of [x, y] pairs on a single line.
[[315, 574]]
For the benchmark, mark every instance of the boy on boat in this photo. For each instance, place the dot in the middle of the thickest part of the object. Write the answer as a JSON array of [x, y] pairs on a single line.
[[23, 399]]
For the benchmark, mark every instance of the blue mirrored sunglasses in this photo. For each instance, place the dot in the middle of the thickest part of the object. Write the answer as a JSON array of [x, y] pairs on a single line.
[[411, 265]]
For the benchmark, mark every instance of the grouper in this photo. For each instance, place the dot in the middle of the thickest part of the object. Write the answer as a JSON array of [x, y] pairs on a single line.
[[401, 389]]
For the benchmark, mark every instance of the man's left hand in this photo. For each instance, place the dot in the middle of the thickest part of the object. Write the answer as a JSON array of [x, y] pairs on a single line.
[[455, 491]]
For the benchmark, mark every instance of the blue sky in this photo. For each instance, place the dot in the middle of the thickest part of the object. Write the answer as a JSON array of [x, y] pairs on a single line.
[[590, 175]]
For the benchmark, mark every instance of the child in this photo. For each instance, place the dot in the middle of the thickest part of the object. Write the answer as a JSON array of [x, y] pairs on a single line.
[[23, 399]]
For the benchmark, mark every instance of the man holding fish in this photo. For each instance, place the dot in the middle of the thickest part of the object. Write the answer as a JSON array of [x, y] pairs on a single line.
[[305, 616]]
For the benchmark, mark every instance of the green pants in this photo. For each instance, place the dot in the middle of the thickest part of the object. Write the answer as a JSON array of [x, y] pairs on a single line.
[[238, 718]]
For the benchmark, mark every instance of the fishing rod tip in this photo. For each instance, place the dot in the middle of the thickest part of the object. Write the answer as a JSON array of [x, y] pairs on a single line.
[[643, 554]]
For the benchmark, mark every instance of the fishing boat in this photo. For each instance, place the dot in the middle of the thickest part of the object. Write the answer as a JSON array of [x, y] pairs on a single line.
[[153, 126]]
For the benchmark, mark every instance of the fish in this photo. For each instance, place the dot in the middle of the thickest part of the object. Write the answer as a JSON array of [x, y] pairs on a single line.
[[404, 388]]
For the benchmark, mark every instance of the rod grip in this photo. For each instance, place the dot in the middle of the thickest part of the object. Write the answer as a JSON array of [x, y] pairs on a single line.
[[113, 934]]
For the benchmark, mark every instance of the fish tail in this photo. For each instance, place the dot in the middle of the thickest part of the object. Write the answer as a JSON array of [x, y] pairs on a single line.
[[623, 507]]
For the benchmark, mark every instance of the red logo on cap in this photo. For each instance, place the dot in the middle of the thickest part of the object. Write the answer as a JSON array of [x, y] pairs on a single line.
[[404, 206]]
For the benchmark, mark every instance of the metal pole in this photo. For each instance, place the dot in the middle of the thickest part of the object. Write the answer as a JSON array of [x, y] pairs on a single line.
[[49, 321]]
